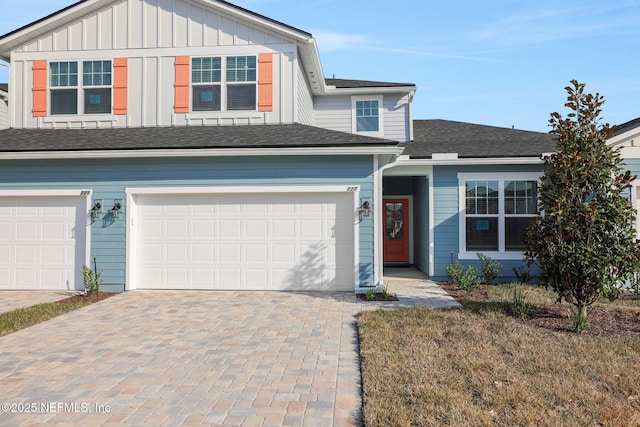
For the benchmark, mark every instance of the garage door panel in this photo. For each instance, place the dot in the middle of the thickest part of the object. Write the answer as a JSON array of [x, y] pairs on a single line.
[[44, 241], [203, 229], [53, 254], [257, 253], [203, 253], [244, 241], [27, 230], [230, 253]]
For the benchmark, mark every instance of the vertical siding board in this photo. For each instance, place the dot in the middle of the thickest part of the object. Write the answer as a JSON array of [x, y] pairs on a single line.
[[182, 84], [181, 24], [265, 82], [106, 29], [196, 24], [40, 85], [120, 86], [91, 33], [150, 13]]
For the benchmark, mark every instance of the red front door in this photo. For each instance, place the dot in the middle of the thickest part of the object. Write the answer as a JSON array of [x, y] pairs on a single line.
[[396, 230]]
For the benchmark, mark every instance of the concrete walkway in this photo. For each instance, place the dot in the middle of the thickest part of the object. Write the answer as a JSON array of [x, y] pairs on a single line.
[[414, 288], [12, 300], [191, 358]]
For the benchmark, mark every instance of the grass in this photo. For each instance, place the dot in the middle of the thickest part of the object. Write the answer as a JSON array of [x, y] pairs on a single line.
[[479, 366], [24, 317]]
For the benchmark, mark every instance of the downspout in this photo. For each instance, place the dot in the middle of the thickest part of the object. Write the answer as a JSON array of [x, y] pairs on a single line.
[[377, 247]]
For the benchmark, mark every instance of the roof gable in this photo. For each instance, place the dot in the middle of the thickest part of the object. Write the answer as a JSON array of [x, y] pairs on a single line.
[[121, 17]]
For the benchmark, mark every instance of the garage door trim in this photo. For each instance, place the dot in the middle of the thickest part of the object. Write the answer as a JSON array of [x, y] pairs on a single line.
[[81, 192], [133, 192]]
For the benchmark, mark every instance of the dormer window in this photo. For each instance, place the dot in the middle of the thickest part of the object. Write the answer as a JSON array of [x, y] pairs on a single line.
[[367, 115]]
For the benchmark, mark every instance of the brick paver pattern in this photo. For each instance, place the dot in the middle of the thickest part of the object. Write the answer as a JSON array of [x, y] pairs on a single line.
[[181, 358]]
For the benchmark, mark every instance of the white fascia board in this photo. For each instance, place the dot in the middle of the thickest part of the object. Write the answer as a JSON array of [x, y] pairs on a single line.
[[403, 161], [221, 152], [254, 19], [332, 90], [625, 137], [312, 65], [35, 30]]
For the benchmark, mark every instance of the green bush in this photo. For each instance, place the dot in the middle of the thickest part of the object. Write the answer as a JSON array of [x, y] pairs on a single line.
[[454, 272], [469, 280], [371, 294], [490, 268], [92, 281]]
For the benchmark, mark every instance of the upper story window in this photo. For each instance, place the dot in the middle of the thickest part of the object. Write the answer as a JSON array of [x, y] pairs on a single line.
[[367, 115], [495, 212], [213, 90], [91, 94]]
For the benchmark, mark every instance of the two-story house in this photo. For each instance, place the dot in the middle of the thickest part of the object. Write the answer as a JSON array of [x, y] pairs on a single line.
[[189, 144], [194, 144]]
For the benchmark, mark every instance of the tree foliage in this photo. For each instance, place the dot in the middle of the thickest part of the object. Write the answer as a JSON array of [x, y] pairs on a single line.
[[583, 238]]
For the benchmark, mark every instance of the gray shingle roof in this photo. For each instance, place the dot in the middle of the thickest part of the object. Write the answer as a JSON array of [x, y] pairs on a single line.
[[4, 87], [627, 126], [475, 141], [183, 137], [351, 84]]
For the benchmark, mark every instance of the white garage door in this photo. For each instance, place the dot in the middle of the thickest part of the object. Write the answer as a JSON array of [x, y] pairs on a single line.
[[42, 242], [245, 241]]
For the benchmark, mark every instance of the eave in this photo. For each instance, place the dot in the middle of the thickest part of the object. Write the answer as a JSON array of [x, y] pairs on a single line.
[[207, 152]]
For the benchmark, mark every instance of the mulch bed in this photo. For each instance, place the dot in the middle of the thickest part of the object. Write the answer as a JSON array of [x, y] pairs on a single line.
[[98, 296], [378, 297], [602, 321]]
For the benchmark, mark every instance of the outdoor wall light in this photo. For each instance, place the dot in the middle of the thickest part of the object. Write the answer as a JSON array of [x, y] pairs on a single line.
[[96, 209], [117, 204], [364, 210]]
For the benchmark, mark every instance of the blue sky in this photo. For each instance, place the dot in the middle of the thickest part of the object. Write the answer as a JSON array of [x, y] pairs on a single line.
[[495, 62]]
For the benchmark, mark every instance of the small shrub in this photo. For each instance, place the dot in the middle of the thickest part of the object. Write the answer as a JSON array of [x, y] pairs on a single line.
[[92, 281], [523, 275], [490, 268], [371, 294], [519, 304], [455, 271], [469, 280]]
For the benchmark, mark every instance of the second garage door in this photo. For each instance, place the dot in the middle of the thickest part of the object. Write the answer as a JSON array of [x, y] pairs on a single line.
[[270, 241]]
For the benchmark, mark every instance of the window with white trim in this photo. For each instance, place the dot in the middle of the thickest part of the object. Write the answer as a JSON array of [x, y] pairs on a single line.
[[94, 87], [495, 213], [213, 90], [367, 115]]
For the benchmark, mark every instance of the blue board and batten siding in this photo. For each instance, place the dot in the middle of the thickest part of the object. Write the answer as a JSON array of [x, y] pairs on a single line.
[[108, 178], [446, 216]]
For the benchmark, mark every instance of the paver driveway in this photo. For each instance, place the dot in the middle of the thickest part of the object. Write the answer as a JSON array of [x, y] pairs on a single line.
[[171, 358]]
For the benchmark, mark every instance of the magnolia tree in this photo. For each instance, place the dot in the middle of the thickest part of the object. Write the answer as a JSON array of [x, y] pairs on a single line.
[[583, 237]]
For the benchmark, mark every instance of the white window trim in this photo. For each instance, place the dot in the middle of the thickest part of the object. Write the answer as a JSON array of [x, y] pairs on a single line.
[[224, 84], [379, 98], [80, 88], [488, 176]]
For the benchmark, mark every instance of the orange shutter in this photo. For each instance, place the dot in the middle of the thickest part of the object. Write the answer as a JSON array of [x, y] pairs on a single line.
[[39, 88], [265, 82], [182, 84], [120, 86]]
